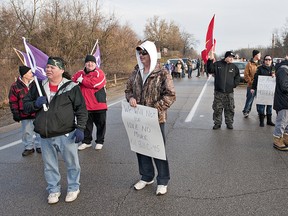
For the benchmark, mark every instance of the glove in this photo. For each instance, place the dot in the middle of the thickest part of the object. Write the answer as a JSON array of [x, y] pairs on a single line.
[[80, 79], [79, 134], [16, 118], [40, 101]]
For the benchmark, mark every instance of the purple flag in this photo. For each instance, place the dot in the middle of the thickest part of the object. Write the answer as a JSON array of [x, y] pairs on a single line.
[[35, 59], [97, 56]]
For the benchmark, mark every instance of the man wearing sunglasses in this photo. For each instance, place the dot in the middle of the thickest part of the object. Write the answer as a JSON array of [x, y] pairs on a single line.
[[151, 86]]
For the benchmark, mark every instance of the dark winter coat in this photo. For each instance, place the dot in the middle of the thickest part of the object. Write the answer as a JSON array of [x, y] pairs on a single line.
[[281, 89], [226, 76], [17, 92], [67, 109], [262, 70]]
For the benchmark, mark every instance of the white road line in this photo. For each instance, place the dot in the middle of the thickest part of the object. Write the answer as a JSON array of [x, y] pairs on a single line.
[[194, 108], [20, 141], [10, 144]]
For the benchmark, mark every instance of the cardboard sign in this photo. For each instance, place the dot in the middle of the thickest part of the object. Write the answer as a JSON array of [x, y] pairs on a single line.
[[143, 130], [265, 90]]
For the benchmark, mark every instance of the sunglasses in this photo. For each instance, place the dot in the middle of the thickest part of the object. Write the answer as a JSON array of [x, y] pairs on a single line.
[[268, 59], [143, 52]]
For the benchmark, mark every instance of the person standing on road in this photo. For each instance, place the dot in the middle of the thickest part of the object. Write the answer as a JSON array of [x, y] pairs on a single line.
[[60, 128], [17, 92], [153, 87], [249, 74], [190, 68], [198, 67], [226, 78], [92, 82], [280, 105], [266, 69], [179, 67]]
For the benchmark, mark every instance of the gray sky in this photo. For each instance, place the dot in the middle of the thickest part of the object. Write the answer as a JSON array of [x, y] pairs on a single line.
[[238, 24]]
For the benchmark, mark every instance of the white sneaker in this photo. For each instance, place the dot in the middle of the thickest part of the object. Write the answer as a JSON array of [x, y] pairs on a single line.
[[141, 184], [161, 189], [84, 146], [72, 195], [53, 198], [99, 146]]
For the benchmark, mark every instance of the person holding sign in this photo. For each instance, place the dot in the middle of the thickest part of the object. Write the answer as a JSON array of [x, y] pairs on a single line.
[[266, 69], [151, 86], [280, 134]]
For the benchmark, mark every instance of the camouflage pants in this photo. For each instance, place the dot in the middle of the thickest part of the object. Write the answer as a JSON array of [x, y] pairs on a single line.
[[223, 101]]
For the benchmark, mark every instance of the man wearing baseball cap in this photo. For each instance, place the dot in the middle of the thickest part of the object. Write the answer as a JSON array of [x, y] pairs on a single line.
[[226, 78]]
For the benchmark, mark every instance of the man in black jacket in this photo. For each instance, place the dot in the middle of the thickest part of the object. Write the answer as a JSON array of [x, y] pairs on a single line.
[[226, 78], [60, 127]]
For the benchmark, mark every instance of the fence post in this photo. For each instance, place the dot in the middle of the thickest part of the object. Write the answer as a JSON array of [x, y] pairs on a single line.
[[115, 79]]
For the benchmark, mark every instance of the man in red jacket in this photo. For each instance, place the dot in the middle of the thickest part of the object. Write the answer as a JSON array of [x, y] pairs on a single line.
[[18, 90], [92, 83]]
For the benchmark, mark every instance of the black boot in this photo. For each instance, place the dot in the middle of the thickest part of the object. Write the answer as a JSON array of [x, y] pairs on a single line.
[[269, 120], [261, 118]]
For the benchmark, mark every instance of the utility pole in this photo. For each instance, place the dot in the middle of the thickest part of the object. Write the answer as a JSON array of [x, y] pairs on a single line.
[[273, 44]]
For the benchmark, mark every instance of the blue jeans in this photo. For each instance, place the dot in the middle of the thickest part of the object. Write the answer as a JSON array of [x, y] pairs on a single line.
[[27, 129], [281, 124], [261, 109], [146, 167], [249, 101], [69, 152]]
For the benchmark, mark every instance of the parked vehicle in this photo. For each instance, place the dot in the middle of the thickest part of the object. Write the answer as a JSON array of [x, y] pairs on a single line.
[[241, 66]]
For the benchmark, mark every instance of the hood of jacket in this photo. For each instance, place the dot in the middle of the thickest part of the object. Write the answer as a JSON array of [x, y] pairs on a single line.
[[151, 49], [285, 62]]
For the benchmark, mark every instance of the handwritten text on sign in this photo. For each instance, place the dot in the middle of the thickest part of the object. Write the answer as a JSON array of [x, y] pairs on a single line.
[[143, 130], [265, 90]]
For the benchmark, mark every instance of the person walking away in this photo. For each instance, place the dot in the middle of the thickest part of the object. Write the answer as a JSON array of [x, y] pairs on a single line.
[[266, 69], [226, 78], [249, 74], [280, 105], [92, 82], [17, 92], [198, 67], [153, 87], [60, 128], [190, 68]]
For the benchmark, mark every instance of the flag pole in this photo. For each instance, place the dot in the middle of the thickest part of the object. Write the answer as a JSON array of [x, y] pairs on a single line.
[[94, 47], [15, 50], [33, 70]]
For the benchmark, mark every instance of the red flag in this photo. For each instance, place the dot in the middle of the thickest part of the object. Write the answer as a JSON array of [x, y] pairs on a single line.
[[204, 55], [209, 36]]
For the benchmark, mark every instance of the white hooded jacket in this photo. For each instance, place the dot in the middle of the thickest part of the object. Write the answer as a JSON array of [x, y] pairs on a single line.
[[151, 49]]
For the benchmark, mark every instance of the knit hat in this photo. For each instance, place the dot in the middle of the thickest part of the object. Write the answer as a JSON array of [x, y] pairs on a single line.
[[229, 53], [255, 52], [90, 58], [23, 70]]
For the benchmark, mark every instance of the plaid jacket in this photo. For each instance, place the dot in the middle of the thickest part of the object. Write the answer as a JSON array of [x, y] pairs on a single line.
[[18, 91]]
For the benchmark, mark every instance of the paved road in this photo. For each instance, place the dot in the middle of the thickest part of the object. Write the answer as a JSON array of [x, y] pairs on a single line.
[[223, 172]]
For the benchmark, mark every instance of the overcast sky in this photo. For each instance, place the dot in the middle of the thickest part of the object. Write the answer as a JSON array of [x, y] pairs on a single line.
[[238, 24]]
